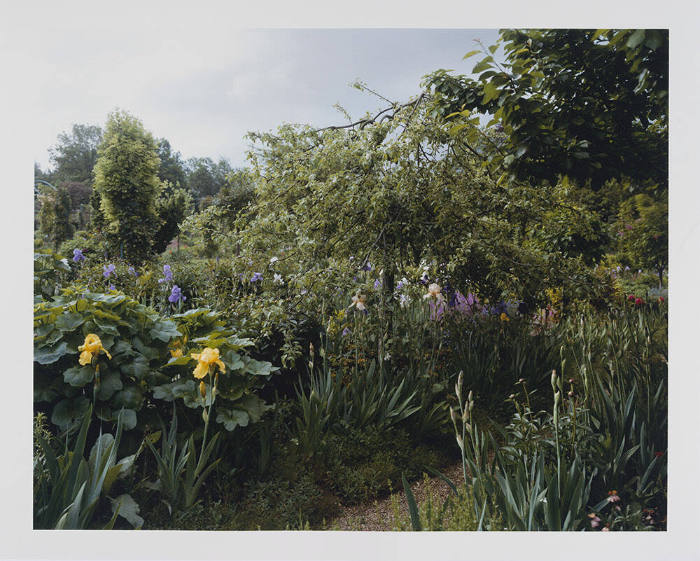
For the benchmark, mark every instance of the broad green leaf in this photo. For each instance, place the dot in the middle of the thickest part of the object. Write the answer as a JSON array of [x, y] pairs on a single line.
[[110, 382], [69, 321], [232, 418], [78, 376], [49, 355], [66, 412], [471, 54], [130, 397]]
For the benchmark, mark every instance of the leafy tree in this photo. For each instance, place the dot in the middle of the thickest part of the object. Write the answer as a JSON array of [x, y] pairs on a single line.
[[205, 177], [54, 216], [172, 206], [172, 168], [398, 192], [75, 153], [590, 105], [643, 233], [126, 179]]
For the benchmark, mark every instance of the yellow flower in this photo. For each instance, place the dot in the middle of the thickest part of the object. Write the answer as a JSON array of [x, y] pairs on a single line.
[[203, 388], [92, 346], [205, 359], [504, 317], [176, 353]]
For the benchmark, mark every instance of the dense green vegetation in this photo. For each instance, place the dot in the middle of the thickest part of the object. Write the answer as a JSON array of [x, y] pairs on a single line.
[[475, 276]]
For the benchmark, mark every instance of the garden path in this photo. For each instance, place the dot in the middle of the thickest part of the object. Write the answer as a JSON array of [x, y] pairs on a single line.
[[379, 515]]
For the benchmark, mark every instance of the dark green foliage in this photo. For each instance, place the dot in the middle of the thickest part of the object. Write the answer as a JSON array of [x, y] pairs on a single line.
[[590, 105], [75, 154], [172, 206]]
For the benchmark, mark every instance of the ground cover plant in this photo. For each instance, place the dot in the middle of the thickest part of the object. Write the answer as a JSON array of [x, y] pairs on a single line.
[[367, 304]]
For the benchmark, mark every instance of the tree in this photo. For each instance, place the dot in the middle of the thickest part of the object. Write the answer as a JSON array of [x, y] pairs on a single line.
[[54, 216], [172, 168], [205, 177], [589, 105], [126, 179], [75, 153], [643, 233], [172, 206]]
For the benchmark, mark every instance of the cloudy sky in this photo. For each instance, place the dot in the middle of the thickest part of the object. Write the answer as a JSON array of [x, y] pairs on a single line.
[[204, 90]]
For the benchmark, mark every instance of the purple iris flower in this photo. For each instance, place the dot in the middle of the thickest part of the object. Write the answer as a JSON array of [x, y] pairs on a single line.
[[367, 266], [107, 270], [132, 271], [167, 274], [346, 332], [112, 287], [78, 256], [399, 285], [377, 284], [176, 295], [256, 277]]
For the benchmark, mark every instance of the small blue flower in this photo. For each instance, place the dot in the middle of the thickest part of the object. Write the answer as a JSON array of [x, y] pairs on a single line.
[[377, 284], [78, 256], [133, 272], [346, 332], [108, 270], [176, 295], [256, 277], [112, 287], [367, 266]]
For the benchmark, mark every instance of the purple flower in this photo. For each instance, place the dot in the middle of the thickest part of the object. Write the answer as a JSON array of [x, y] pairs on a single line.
[[461, 304], [108, 270], [367, 266], [256, 277], [437, 309], [112, 287], [346, 332], [377, 284], [176, 295], [399, 285], [132, 271], [78, 256], [167, 274]]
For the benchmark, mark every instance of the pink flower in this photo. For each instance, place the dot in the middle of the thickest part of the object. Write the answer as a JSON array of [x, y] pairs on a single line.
[[638, 302], [631, 298], [595, 521]]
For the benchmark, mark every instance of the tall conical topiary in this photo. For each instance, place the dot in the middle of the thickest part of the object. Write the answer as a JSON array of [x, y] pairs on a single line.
[[126, 179]]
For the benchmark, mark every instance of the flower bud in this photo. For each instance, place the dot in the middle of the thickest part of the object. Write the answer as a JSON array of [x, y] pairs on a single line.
[[205, 415], [557, 398], [460, 442], [203, 388], [453, 416], [460, 379], [554, 380]]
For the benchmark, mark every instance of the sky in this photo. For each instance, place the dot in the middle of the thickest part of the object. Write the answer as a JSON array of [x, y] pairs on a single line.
[[204, 92]]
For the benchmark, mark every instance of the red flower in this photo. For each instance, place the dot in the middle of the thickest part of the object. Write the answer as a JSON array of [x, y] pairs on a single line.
[[631, 298], [638, 302], [661, 299]]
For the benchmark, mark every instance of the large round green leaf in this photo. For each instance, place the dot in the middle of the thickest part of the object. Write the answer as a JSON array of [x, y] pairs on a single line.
[[68, 411], [78, 376], [232, 418]]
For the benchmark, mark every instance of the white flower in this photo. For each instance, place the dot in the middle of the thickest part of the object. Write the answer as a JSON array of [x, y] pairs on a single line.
[[277, 279], [403, 300], [273, 260], [434, 292], [359, 302]]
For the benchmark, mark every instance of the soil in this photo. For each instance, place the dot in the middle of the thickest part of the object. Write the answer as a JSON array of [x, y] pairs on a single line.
[[379, 516]]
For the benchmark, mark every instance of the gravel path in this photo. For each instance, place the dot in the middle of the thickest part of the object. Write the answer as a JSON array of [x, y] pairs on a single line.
[[379, 515]]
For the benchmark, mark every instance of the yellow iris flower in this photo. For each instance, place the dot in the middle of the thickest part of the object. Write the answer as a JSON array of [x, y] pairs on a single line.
[[176, 353], [504, 317], [92, 346], [205, 359]]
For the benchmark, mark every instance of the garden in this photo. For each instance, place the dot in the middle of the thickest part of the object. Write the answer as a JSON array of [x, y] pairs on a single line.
[[473, 282]]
